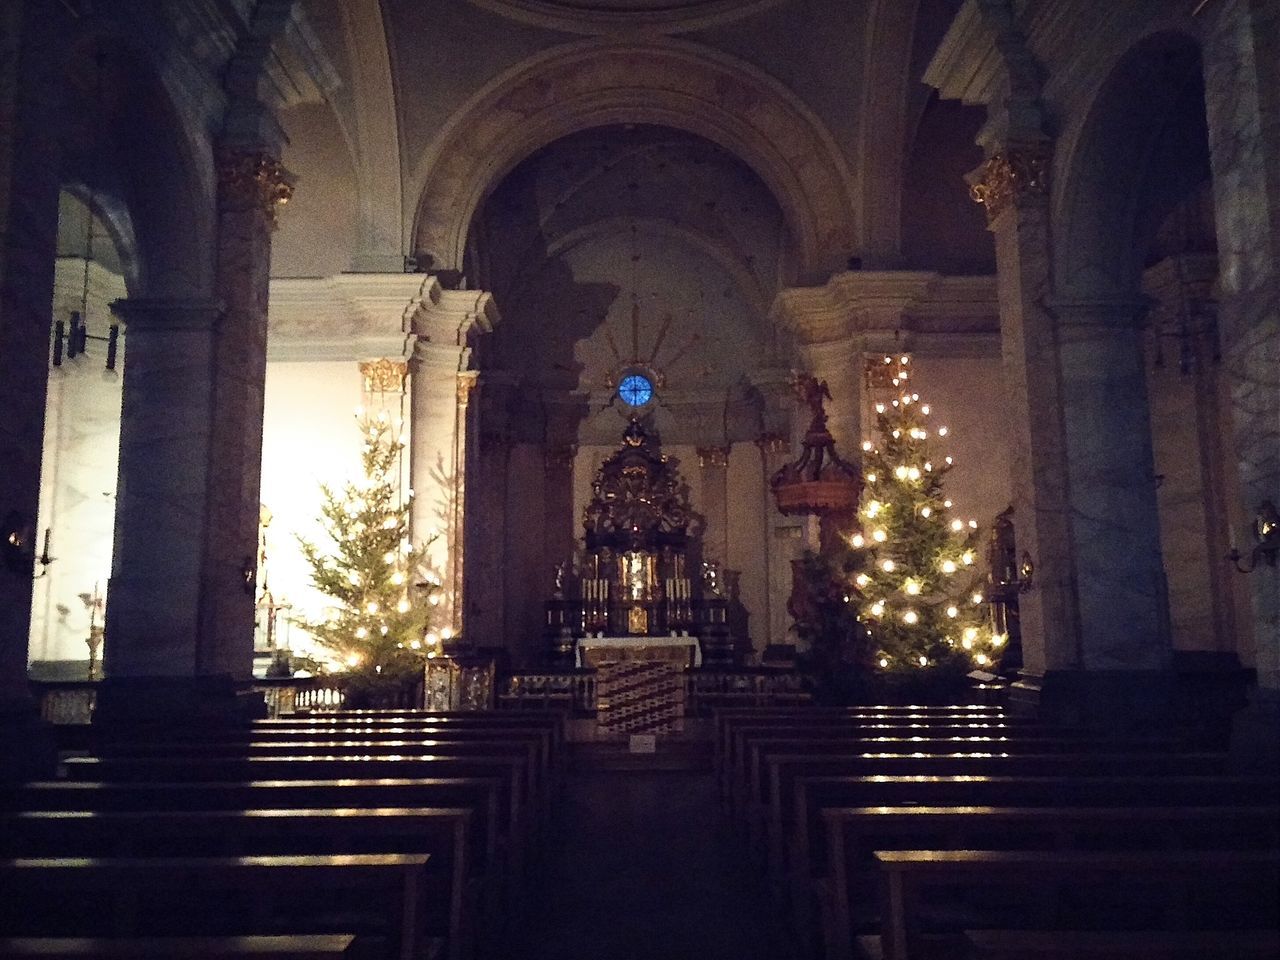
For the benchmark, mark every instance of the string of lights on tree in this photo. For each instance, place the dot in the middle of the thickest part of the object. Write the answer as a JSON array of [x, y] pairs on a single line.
[[381, 618], [917, 592]]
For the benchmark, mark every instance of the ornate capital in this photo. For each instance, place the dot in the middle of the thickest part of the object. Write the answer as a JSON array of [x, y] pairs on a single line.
[[713, 456], [384, 375], [466, 385], [1010, 177], [772, 444], [252, 179]]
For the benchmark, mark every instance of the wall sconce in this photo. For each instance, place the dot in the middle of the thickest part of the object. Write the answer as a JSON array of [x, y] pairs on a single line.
[[1266, 531], [1026, 573], [18, 546]]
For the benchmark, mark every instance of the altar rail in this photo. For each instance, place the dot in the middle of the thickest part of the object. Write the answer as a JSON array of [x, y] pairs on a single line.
[[72, 701], [705, 689]]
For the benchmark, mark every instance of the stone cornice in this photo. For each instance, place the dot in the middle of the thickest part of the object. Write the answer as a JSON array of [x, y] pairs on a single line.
[[355, 316], [966, 65], [860, 303]]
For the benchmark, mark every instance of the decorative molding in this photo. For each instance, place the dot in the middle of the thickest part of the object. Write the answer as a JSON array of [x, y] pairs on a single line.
[[601, 17], [674, 83], [250, 178], [713, 457], [878, 304], [384, 375], [1011, 178]]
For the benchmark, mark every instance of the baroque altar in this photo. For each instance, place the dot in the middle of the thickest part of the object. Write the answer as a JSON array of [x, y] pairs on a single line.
[[632, 579]]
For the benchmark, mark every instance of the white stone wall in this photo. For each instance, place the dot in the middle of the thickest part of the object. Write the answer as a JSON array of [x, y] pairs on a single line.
[[78, 473]]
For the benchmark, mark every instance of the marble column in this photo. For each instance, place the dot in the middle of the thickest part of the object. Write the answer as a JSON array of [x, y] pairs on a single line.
[[1013, 187], [1242, 98], [28, 233], [713, 465]]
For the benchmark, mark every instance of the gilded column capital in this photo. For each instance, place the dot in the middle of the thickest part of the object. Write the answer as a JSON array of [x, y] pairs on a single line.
[[713, 457], [773, 444], [559, 455], [384, 375], [251, 179], [467, 380], [1012, 176]]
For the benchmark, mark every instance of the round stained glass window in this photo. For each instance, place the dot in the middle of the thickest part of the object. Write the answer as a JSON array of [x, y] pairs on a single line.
[[635, 390]]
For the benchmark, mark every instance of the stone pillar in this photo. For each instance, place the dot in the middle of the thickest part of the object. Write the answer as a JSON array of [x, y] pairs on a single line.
[[1242, 97], [779, 547], [558, 519], [487, 568], [443, 323], [1012, 185], [839, 363], [433, 420], [28, 236], [181, 605], [1123, 600], [713, 463]]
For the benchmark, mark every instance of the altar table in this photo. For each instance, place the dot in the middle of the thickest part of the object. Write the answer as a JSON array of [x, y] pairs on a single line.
[[628, 648]]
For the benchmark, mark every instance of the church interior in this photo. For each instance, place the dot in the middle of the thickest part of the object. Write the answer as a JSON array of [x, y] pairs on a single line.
[[640, 478]]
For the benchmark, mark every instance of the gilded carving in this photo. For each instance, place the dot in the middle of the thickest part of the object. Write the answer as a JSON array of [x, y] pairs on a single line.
[[466, 385], [255, 179], [713, 456], [384, 375], [1011, 176]]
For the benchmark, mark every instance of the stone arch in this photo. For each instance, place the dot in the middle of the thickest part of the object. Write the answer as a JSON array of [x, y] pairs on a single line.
[[673, 84], [153, 163], [1104, 158]]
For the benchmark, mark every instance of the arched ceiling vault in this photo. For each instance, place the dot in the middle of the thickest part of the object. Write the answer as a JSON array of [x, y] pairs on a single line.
[[670, 83]]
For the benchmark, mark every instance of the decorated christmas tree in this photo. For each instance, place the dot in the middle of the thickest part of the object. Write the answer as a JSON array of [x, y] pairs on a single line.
[[917, 593], [379, 624]]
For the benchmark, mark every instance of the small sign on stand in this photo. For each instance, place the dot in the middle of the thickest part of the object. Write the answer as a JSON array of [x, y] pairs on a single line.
[[644, 743]]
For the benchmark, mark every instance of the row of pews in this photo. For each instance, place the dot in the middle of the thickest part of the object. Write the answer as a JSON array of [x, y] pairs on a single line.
[[913, 833], [397, 835]]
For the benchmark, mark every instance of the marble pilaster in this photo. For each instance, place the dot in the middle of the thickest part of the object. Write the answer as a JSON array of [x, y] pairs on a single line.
[[28, 232], [487, 568], [782, 542], [1242, 99], [713, 473], [443, 324], [839, 363]]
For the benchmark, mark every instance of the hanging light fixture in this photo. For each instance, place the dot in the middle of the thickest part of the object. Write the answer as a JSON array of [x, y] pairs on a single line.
[[73, 336]]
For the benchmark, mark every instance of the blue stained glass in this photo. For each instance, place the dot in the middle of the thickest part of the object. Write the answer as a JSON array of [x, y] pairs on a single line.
[[635, 390]]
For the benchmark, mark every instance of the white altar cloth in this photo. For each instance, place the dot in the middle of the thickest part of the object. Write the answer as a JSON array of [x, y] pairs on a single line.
[[591, 643]]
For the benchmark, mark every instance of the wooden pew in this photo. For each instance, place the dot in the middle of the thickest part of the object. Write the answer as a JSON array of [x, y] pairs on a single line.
[[726, 719], [509, 770], [314, 947], [480, 795], [537, 784], [450, 879], [782, 770], [750, 785], [846, 875], [741, 738], [812, 795], [1172, 884], [374, 894], [1122, 945]]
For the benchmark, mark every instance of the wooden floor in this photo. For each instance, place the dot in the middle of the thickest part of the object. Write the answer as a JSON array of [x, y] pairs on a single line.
[[642, 869]]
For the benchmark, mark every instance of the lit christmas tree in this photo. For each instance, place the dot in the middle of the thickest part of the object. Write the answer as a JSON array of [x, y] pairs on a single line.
[[380, 622], [917, 592]]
